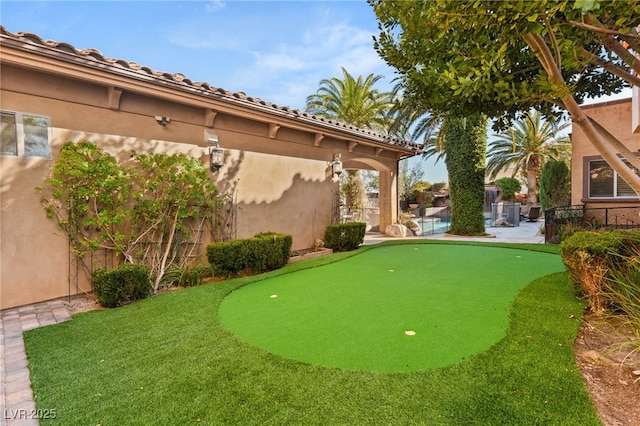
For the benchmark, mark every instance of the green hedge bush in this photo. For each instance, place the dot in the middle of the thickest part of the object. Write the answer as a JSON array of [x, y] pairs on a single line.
[[123, 284], [344, 236], [592, 258], [264, 252], [188, 276]]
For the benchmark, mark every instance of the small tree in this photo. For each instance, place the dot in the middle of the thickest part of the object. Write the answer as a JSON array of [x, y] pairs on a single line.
[[146, 211], [555, 185], [353, 190], [173, 198], [407, 179], [88, 195], [508, 188]]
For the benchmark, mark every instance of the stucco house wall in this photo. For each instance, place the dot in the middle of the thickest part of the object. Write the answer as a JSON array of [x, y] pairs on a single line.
[[276, 159], [615, 116]]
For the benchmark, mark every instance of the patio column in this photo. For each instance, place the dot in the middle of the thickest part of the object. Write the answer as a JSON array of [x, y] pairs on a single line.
[[388, 199]]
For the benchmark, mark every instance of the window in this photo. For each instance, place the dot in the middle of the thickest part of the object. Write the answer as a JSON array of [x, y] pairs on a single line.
[[604, 182], [24, 135]]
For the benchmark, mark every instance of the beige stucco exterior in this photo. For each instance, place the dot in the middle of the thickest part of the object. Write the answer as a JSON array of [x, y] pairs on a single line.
[[276, 159], [615, 116]]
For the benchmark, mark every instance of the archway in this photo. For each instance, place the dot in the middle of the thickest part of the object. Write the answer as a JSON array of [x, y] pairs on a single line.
[[388, 187]]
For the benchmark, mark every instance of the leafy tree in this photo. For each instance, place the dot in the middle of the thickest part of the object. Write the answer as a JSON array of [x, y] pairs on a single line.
[[145, 211], [506, 58], [555, 185], [354, 101], [173, 197], [371, 180], [508, 188], [465, 143], [527, 145], [353, 190], [407, 178], [87, 194]]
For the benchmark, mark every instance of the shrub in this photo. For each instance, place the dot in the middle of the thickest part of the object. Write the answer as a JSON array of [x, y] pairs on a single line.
[[344, 236], [123, 284], [274, 248], [188, 276], [264, 252], [555, 185], [592, 258]]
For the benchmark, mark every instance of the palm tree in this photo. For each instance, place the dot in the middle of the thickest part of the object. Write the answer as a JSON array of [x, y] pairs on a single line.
[[353, 101], [526, 146], [417, 123]]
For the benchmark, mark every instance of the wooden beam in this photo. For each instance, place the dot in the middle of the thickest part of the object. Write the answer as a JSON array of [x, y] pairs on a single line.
[[352, 145], [113, 97], [273, 130], [318, 138], [209, 117]]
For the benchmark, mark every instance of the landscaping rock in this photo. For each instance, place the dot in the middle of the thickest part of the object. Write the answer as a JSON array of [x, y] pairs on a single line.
[[397, 230]]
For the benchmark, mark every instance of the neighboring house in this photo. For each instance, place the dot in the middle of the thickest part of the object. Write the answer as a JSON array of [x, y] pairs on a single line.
[[276, 159], [594, 183]]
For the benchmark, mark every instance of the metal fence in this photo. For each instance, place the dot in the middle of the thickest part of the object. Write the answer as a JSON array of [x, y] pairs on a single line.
[[589, 218], [432, 220]]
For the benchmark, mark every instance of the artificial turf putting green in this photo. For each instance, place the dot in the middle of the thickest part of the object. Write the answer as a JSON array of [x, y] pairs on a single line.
[[391, 309]]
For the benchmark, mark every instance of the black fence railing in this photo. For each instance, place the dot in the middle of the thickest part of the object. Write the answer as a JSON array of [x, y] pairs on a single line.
[[589, 218]]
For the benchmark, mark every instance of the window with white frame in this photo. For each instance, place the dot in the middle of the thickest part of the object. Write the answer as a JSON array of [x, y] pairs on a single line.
[[604, 182], [24, 135]]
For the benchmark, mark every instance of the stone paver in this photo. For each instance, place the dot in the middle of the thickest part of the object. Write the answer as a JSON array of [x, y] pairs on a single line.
[[17, 406]]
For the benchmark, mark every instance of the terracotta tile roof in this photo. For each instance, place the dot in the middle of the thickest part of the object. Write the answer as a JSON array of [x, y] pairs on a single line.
[[89, 57]]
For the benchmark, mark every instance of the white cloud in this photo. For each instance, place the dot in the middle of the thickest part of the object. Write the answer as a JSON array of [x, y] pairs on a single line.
[[214, 5]]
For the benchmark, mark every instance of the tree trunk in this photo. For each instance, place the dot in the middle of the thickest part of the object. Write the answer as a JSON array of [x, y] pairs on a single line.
[[466, 147], [532, 184], [606, 145]]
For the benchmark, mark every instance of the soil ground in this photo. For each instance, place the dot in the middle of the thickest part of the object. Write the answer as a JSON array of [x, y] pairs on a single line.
[[611, 372]]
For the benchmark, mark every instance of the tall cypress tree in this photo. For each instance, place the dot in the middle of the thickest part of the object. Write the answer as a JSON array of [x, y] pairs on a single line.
[[465, 145]]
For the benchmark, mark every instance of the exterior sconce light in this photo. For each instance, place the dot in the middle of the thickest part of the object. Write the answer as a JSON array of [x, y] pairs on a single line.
[[162, 120], [216, 154], [336, 165]]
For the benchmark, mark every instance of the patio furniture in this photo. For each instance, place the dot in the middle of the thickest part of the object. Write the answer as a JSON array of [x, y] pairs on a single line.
[[533, 214]]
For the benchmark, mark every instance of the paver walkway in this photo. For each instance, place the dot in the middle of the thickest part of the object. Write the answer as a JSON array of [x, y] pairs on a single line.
[[17, 406]]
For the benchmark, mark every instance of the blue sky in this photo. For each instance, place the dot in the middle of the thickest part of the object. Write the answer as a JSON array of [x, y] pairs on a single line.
[[274, 50]]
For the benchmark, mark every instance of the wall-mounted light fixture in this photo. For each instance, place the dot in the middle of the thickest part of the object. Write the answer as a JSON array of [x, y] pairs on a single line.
[[216, 154], [162, 120], [336, 165]]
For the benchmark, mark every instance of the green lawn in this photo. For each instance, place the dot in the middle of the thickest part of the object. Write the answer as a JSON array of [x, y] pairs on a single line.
[[170, 360]]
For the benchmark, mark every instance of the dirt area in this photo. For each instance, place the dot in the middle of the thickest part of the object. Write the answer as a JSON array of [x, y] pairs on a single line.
[[612, 376], [612, 373]]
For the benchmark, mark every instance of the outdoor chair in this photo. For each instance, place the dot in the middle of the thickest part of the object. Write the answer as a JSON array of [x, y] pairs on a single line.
[[533, 214]]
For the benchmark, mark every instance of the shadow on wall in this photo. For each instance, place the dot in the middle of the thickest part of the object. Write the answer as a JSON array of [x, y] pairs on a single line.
[[264, 178], [303, 210]]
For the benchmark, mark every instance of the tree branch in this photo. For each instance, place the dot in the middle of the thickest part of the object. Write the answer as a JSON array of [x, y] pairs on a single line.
[[629, 155], [612, 68], [601, 141], [553, 40], [594, 28], [613, 45]]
